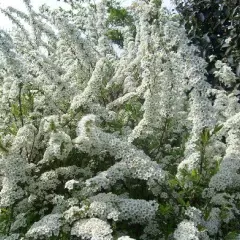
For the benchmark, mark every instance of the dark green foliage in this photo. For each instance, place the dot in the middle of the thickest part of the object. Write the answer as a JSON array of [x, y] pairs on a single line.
[[116, 36], [210, 24], [118, 17]]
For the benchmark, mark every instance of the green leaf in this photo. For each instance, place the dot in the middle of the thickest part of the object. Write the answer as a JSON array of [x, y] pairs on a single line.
[[173, 182], [205, 136], [15, 110], [116, 36], [52, 126], [3, 149], [201, 228], [165, 209], [181, 201], [232, 236], [4, 219], [217, 129], [195, 176]]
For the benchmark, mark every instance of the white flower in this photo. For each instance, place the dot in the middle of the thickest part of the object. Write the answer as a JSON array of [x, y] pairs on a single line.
[[93, 228], [46, 227], [125, 238], [186, 230], [20, 221], [70, 184], [225, 73], [228, 40], [111, 206]]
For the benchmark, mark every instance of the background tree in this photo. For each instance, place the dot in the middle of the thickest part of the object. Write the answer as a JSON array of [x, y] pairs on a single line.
[[214, 26]]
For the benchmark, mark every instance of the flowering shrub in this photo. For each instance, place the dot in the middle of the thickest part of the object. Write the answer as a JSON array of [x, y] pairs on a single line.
[[103, 144]]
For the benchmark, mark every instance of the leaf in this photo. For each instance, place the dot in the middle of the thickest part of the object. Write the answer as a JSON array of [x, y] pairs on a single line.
[[194, 175], [201, 228], [165, 209], [173, 182], [15, 110], [201, 17], [205, 136], [52, 126], [62, 148], [181, 201], [232, 236], [217, 128], [3, 149], [238, 70], [206, 38]]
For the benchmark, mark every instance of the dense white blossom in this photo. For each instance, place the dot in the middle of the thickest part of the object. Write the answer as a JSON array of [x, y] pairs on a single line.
[[59, 147], [134, 162], [14, 236], [15, 174], [19, 222], [186, 230], [46, 227], [70, 184], [98, 143], [224, 72], [125, 238], [110, 206], [73, 214], [92, 228], [228, 175]]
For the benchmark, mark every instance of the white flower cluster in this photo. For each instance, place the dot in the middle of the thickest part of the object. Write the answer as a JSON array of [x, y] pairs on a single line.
[[46, 227], [186, 230], [92, 90], [223, 200], [228, 176], [60, 145], [15, 174], [224, 72], [24, 139], [125, 238], [213, 223], [134, 163], [74, 213], [110, 206], [70, 184], [92, 228], [11, 237], [19, 222], [42, 187]]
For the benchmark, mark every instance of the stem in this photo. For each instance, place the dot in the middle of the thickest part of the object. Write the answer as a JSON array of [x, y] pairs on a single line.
[[9, 221], [71, 119], [3, 148], [161, 138], [202, 159], [20, 103], [15, 119], [202, 156], [30, 155]]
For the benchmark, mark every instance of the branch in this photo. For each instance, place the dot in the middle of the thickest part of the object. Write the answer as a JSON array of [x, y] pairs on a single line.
[[20, 103]]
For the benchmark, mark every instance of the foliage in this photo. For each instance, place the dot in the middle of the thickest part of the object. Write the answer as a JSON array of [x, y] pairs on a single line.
[[97, 144], [118, 18], [215, 27]]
